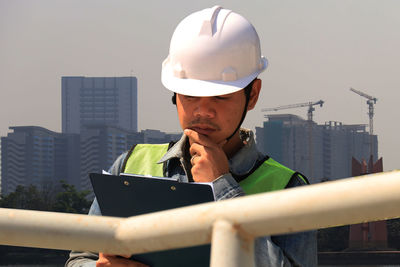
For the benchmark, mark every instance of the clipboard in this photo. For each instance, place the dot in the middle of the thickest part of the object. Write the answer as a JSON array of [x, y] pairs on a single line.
[[131, 195]]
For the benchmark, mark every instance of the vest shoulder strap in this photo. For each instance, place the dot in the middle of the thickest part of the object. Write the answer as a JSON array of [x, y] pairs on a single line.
[[142, 159], [269, 176]]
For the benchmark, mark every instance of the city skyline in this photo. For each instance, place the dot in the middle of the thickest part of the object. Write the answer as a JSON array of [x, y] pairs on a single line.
[[316, 49], [33, 155]]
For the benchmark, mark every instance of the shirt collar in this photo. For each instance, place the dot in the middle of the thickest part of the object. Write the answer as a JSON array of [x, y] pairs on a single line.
[[176, 151], [247, 157]]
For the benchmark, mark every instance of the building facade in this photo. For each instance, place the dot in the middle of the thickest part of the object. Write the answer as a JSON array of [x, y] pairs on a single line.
[[32, 155], [321, 152], [109, 101]]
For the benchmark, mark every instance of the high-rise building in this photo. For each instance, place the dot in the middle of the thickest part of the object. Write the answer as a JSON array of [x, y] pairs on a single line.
[[110, 101], [32, 155], [321, 152]]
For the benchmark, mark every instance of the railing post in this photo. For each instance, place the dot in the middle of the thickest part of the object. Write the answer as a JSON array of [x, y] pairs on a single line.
[[230, 247]]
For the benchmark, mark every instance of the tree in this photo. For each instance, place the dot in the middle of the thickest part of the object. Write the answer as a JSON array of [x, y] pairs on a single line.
[[71, 201], [65, 199], [28, 198]]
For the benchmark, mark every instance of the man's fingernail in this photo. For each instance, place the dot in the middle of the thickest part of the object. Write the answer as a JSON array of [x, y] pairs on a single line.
[[186, 131]]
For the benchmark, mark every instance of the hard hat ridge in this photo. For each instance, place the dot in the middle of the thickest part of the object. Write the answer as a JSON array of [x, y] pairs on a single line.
[[212, 52], [208, 27]]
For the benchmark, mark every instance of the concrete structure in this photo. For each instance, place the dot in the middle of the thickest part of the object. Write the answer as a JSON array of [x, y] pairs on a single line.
[[368, 235], [110, 101], [33, 155], [286, 139]]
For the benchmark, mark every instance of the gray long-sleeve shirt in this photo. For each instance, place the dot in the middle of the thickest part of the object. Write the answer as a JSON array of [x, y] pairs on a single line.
[[299, 249]]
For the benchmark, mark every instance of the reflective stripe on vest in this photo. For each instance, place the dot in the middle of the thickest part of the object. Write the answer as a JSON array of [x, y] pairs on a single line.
[[269, 176]]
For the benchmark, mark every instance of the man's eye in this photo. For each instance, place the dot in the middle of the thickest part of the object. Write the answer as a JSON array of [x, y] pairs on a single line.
[[221, 97]]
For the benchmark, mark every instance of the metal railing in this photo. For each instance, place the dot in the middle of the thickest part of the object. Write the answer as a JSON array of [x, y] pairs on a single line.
[[230, 225]]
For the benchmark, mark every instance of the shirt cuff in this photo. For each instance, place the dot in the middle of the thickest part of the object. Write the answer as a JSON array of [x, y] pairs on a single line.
[[226, 187]]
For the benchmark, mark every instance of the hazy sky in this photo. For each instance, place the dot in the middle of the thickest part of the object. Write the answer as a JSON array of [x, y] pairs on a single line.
[[316, 50]]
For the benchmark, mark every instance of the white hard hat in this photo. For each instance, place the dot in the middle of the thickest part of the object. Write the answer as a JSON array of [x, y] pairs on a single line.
[[212, 52]]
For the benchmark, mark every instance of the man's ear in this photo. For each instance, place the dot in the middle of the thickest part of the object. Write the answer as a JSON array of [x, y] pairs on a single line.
[[255, 92]]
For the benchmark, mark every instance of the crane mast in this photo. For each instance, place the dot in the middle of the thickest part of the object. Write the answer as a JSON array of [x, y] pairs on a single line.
[[370, 102]]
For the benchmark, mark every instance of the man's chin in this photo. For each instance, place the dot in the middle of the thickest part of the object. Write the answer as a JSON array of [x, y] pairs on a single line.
[[216, 139]]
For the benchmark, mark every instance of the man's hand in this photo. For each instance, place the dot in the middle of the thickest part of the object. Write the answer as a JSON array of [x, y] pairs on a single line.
[[209, 160], [116, 261]]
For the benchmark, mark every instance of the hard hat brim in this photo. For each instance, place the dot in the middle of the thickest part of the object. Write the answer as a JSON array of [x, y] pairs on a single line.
[[200, 88]]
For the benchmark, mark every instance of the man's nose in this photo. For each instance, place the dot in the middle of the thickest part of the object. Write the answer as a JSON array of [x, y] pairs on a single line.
[[204, 108]]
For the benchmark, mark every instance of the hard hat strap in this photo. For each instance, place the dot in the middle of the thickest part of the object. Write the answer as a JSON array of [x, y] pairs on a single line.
[[174, 99], [247, 92]]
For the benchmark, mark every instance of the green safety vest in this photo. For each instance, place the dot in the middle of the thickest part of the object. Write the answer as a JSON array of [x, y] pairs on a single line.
[[269, 176]]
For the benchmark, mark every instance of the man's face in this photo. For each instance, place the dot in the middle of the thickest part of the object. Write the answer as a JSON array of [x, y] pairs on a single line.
[[215, 117]]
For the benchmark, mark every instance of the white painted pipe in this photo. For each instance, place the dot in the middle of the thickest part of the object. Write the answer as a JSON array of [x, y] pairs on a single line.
[[57, 230], [230, 247], [348, 201]]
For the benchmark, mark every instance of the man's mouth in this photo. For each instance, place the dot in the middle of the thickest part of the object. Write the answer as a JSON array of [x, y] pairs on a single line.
[[204, 130]]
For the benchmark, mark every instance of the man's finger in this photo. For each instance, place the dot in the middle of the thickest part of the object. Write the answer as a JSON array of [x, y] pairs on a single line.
[[193, 158], [195, 137], [125, 256], [196, 149], [112, 255], [114, 260]]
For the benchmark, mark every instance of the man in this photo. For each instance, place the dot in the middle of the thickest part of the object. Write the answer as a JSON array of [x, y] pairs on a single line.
[[212, 69]]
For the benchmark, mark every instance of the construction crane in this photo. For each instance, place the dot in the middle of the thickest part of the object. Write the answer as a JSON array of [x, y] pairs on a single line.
[[371, 101], [311, 108]]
